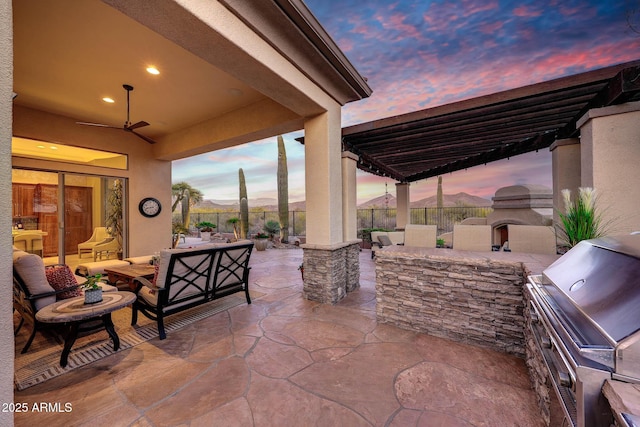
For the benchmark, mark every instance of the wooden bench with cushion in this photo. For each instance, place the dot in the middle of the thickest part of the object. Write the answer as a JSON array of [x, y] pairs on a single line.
[[190, 277]]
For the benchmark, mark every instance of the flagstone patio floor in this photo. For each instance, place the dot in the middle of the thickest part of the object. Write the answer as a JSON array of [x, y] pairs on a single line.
[[285, 361]]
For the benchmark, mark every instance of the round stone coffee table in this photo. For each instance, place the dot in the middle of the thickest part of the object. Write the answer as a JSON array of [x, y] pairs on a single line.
[[74, 312]]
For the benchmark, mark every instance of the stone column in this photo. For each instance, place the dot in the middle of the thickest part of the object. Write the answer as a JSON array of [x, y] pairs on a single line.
[[330, 272], [349, 197], [403, 215], [610, 155], [330, 267], [565, 165]]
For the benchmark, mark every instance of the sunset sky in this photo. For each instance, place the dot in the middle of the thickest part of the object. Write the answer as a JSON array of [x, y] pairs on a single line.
[[421, 54]]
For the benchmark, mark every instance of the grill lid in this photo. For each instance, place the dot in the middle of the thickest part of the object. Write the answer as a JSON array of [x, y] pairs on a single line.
[[600, 278]]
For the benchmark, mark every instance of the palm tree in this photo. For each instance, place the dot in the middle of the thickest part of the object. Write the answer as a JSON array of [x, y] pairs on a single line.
[[187, 196]]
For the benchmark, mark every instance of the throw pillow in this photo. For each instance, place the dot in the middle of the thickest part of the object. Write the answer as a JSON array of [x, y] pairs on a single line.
[[384, 240], [60, 277]]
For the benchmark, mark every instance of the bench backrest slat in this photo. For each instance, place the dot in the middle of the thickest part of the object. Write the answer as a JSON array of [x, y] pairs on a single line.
[[192, 274], [232, 269]]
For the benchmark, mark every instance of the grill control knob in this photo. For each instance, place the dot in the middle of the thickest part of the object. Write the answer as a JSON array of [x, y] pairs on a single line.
[[564, 379]]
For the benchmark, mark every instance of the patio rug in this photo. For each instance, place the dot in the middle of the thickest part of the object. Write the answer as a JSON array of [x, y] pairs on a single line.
[[42, 361]]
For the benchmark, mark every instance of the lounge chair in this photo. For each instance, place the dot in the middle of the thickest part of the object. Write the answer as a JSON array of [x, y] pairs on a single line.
[[32, 291], [99, 235]]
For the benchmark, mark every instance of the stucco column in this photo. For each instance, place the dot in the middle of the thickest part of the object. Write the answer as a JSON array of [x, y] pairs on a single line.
[[403, 205], [565, 166], [331, 264], [610, 155], [349, 197], [6, 315], [323, 178]]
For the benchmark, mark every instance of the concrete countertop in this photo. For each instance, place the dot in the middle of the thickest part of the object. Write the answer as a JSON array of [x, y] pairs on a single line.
[[534, 263]]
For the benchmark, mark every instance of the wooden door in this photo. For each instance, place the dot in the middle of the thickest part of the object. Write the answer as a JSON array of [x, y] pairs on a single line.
[[77, 217], [45, 206]]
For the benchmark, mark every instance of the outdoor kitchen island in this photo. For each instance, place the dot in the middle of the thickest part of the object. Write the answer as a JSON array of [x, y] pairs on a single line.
[[470, 297], [479, 298]]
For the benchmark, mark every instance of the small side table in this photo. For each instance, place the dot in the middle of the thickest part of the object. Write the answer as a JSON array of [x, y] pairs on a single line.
[[127, 273], [74, 312]]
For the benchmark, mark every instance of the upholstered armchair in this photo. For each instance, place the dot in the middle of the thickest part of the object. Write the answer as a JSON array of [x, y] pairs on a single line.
[[98, 236], [36, 286]]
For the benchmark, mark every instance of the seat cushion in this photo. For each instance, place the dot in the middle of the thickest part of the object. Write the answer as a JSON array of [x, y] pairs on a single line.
[[384, 240], [30, 268], [60, 277]]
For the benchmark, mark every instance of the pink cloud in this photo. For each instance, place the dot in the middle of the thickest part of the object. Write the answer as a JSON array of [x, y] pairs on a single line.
[[396, 22], [491, 27], [526, 12]]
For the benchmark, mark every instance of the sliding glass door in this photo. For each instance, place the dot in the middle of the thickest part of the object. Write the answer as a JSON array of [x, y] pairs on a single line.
[[67, 210]]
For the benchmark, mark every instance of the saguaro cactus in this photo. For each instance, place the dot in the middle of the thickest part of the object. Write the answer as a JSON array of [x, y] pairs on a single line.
[[244, 207], [440, 205], [283, 191]]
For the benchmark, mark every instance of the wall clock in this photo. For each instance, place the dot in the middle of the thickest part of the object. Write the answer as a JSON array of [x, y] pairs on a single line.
[[149, 207]]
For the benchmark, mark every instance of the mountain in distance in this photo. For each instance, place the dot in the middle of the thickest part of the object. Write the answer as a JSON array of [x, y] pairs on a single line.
[[452, 200], [381, 202], [449, 200], [264, 202]]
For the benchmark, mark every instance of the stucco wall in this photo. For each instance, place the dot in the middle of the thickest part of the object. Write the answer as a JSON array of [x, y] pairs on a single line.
[[610, 153], [6, 311], [565, 155]]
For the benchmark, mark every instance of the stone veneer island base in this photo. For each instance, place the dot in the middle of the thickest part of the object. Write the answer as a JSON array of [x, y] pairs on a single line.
[[471, 297]]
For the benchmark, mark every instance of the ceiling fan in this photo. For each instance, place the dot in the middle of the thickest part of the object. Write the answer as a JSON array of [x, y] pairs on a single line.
[[127, 125]]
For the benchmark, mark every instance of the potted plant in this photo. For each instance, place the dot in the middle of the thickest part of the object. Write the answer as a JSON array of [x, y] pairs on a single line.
[[178, 230], [92, 290], [261, 241], [581, 219], [206, 228], [272, 228], [234, 223], [440, 243], [114, 220]]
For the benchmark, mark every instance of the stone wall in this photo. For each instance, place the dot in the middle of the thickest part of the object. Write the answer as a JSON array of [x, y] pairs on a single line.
[[330, 272], [475, 300]]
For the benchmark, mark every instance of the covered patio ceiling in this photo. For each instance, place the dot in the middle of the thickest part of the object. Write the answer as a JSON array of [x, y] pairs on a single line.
[[443, 139]]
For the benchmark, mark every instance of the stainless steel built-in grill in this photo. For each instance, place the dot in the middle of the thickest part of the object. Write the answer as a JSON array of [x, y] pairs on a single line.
[[585, 311]]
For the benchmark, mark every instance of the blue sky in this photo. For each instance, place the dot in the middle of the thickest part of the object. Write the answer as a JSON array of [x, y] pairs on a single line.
[[421, 54]]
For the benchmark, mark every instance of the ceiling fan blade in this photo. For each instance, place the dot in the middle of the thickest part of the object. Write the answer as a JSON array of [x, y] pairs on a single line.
[[127, 125], [138, 125], [97, 124], [149, 140]]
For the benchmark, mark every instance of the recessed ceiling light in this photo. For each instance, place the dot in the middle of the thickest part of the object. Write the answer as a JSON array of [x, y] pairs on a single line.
[[109, 100], [153, 70], [39, 146], [53, 147]]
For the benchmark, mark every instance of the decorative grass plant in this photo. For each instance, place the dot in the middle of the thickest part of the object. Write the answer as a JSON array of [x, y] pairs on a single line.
[[581, 220]]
